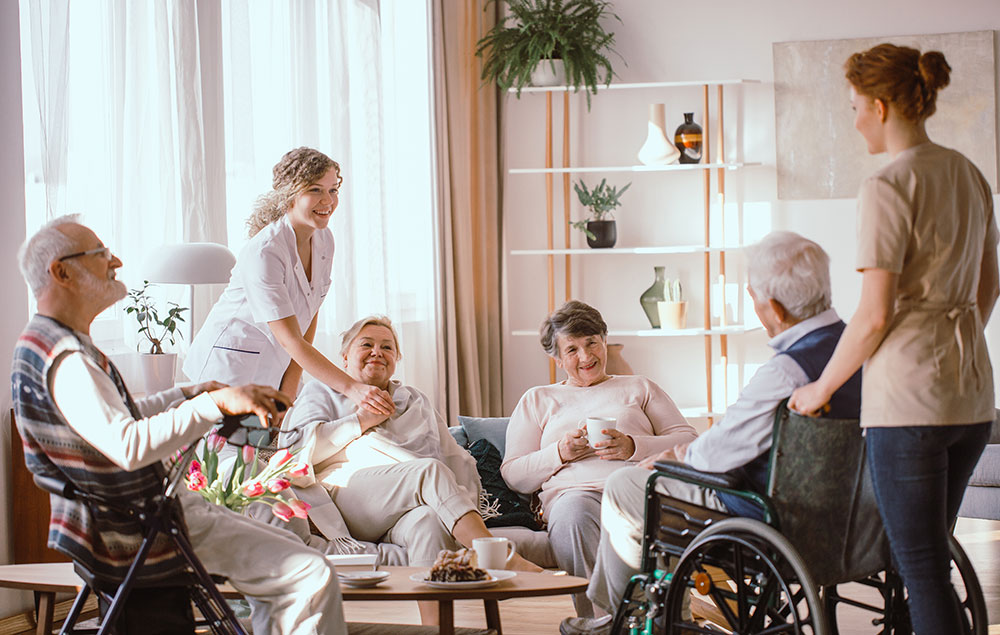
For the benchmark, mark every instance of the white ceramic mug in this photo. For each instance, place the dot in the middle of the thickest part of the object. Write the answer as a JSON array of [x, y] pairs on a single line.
[[494, 552], [594, 427]]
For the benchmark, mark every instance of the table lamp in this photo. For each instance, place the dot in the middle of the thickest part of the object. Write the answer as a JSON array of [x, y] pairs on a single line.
[[190, 264]]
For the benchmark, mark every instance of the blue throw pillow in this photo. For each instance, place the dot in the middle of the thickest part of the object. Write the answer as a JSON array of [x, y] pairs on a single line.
[[493, 429], [513, 510]]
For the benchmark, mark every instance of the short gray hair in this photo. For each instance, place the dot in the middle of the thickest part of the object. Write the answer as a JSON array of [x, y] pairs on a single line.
[[37, 252], [575, 319], [348, 336], [793, 270]]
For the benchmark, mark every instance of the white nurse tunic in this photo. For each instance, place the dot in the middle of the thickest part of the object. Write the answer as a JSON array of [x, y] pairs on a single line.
[[236, 346]]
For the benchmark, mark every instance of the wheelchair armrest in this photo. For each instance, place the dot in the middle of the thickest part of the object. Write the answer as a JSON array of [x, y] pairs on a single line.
[[687, 473], [56, 486]]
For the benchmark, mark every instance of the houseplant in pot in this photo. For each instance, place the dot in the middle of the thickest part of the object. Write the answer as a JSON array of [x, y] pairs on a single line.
[[158, 366], [549, 34], [601, 201]]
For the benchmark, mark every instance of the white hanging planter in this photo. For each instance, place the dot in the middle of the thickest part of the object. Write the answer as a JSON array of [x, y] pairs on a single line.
[[549, 73], [158, 371]]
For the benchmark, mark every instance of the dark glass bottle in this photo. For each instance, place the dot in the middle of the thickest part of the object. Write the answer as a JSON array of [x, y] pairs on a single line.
[[687, 138]]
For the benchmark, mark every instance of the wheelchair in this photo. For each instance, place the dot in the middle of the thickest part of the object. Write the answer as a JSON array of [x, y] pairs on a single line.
[[785, 574], [159, 515]]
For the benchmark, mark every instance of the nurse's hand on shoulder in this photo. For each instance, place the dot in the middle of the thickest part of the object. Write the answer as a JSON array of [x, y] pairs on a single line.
[[372, 399], [196, 389], [260, 400]]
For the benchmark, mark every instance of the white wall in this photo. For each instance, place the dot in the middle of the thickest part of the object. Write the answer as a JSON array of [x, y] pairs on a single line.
[[15, 295], [664, 41]]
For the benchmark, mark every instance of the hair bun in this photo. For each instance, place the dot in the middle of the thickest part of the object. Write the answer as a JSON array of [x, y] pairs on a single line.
[[934, 70]]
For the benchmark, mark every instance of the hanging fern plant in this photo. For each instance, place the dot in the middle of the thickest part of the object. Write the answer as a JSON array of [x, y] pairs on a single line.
[[537, 30]]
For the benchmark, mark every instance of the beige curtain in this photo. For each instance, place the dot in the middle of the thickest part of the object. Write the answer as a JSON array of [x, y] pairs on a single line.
[[465, 113]]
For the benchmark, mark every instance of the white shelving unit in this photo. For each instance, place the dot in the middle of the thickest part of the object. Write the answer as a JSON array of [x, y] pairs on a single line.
[[720, 167]]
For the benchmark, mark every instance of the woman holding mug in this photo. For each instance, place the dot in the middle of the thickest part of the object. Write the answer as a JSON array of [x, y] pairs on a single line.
[[927, 250], [262, 328]]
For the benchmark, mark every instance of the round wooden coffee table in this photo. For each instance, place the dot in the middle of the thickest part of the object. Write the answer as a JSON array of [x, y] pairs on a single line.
[[524, 584]]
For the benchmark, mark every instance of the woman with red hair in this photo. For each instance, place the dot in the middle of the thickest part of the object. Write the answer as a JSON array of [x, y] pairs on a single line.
[[927, 250]]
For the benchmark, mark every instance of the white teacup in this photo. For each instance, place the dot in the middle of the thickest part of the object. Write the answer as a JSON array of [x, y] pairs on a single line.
[[594, 427], [494, 552]]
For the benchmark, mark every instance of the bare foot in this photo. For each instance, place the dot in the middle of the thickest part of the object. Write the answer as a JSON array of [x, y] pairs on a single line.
[[517, 563]]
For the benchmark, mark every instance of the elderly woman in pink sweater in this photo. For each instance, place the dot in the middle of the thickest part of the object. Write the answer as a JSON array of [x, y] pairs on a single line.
[[547, 447]]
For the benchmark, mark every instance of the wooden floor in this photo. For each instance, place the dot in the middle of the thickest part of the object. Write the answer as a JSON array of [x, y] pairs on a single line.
[[980, 538]]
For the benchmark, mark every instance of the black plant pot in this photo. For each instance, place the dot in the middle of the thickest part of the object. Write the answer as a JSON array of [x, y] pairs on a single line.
[[605, 233]]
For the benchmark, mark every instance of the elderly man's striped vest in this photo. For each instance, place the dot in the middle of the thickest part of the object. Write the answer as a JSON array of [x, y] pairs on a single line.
[[104, 543]]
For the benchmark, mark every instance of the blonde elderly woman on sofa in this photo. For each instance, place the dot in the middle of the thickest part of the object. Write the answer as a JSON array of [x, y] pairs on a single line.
[[547, 446], [400, 478]]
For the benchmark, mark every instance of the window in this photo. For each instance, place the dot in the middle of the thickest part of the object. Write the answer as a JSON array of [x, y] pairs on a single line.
[[122, 139]]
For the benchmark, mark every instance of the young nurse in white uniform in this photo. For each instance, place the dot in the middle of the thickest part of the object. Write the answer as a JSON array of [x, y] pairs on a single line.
[[261, 330]]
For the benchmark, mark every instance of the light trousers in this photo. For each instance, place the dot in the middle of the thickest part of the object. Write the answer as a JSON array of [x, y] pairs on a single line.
[[414, 504], [292, 588], [623, 510], [574, 531]]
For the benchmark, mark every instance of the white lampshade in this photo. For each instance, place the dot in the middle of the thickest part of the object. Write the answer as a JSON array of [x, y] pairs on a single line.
[[189, 263]]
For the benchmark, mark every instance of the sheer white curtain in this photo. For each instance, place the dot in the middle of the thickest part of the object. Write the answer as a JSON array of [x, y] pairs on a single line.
[[329, 74], [114, 126]]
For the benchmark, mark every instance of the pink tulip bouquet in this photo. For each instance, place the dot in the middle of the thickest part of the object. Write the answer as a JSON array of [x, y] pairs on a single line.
[[245, 485]]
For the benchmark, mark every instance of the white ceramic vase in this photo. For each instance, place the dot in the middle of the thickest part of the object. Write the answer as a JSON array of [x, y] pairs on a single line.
[[158, 371], [673, 315], [657, 150], [549, 73]]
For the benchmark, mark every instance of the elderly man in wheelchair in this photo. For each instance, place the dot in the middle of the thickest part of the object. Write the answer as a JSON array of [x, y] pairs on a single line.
[[713, 509]]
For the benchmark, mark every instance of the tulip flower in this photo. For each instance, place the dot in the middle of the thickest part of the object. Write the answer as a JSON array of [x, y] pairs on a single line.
[[196, 481], [279, 459], [298, 469], [194, 467], [249, 454], [276, 485], [299, 508], [282, 511], [215, 442], [253, 488]]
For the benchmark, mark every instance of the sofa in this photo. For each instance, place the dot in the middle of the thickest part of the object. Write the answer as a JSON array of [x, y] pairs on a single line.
[[982, 496]]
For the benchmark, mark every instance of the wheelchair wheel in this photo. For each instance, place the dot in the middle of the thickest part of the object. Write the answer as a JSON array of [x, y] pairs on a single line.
[[894, 616], [754, 576]]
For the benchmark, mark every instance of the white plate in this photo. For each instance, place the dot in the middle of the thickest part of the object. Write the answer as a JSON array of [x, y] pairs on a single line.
[[495, 576], [362, 579]]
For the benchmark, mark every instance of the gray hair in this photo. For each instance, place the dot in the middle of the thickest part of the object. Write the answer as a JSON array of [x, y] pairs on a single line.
[[348, 336], [46, 245], [793, 270], [575, 319]]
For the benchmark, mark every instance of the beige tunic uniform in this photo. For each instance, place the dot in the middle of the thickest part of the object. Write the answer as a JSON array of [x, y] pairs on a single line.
[[928, 216]]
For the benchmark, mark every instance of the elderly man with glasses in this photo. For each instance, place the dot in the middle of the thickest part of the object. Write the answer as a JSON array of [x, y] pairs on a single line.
[[789, 282], [80, 424]]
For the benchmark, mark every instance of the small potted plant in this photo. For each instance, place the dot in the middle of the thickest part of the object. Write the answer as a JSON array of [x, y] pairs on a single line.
[[537, 36], [601, 201], [158, 366], [673, 307]]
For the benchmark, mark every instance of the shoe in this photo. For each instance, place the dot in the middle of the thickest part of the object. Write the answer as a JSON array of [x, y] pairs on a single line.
[[586, 625]]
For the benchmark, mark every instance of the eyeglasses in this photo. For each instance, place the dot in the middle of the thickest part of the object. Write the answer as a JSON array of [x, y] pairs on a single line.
[[104, 251]]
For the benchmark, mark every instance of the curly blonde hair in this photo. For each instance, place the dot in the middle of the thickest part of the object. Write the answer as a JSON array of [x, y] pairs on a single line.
[[297, 170]]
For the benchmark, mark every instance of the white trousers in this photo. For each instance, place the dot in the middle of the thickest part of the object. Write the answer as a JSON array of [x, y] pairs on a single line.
[[623, 510], [414, 504], [292, 588]]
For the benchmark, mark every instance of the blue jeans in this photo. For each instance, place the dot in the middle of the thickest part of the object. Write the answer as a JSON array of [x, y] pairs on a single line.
[[919, 475]]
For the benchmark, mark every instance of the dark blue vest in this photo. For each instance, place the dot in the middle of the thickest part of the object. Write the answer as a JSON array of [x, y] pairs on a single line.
[[811, 352]]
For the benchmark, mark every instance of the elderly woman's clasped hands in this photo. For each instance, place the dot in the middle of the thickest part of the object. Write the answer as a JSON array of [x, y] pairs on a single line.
[[574, 446]]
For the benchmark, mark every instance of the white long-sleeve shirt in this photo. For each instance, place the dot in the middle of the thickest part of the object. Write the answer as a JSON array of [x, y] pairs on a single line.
[[89, 401]]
